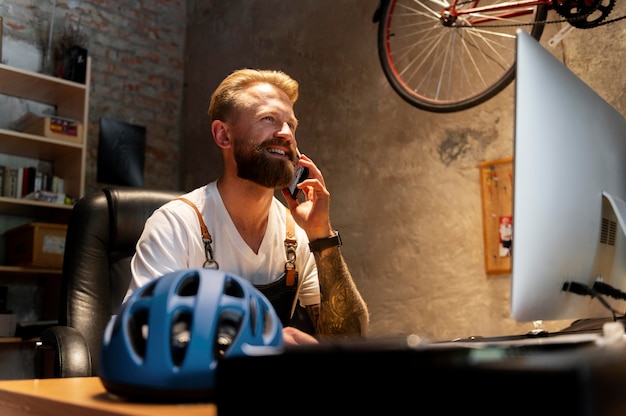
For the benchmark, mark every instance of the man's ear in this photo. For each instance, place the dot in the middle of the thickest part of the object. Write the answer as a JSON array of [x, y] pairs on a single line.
[[220, 134]]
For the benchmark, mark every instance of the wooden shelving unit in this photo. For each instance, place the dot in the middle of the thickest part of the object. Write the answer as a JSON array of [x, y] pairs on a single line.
[[70, 100]]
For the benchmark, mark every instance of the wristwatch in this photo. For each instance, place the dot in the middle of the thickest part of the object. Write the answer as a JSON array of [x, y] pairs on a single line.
[[323, 243]]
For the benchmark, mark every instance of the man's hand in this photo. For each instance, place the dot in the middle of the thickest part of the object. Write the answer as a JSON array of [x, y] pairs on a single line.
[[313, 214], [294, 336]]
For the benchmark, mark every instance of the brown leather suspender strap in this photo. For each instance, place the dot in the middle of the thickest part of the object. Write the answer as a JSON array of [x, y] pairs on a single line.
[[206, 236], [290, 243], [290, 248]]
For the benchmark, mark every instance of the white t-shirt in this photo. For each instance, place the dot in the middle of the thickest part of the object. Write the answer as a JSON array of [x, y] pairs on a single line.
[[171, 241]]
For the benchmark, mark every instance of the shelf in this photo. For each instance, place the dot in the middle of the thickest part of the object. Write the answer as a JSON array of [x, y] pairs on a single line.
[[10, 340], [37, 147], [29, 208], [63, 154], [29, 270], [67, 96], [35, 292]]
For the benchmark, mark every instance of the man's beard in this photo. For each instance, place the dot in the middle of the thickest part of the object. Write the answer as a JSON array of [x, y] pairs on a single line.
[[255, 165]]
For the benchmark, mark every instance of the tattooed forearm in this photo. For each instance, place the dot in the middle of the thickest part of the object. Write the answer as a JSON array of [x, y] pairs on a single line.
[[342, 312]]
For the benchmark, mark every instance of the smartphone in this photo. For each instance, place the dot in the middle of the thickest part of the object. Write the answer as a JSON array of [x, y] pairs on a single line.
[[301, 174]]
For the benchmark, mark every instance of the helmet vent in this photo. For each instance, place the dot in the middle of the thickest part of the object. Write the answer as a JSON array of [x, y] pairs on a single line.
[[180, 336], [189, 285], [227, 329], [149, 289], [233, 288], [267, 322], [138, 331], [253, 316]]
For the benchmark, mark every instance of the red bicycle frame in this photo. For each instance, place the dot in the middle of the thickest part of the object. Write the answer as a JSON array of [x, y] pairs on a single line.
[[520, 8]]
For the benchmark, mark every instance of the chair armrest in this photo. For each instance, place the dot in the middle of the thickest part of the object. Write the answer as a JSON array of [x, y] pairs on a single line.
[[63, 352]]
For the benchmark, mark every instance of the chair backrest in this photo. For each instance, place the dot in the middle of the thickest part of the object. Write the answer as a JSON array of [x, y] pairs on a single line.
[[101, 236]]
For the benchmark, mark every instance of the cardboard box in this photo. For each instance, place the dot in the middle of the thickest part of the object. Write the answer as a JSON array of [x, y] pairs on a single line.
[[36, 244], [8, 323], [56, 128]]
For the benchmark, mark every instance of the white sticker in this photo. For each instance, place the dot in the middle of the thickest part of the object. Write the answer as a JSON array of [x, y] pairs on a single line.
[[53, 244]]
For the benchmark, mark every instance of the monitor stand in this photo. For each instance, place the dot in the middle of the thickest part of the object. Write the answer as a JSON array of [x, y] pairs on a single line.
[[613, 208]]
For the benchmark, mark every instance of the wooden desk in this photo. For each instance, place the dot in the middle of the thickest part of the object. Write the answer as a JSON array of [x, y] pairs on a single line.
[[79, 397]]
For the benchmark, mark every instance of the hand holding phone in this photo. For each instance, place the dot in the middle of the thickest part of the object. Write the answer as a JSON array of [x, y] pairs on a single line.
[[300, 175]]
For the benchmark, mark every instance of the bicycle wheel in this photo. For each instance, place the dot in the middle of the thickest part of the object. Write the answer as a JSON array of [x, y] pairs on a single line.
[[446, 66]]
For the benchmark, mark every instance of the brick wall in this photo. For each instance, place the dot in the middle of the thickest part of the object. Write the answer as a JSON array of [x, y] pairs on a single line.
[[136, 49]]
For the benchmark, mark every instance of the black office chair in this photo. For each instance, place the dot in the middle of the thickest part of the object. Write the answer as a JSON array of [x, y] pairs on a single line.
[[101, 236]]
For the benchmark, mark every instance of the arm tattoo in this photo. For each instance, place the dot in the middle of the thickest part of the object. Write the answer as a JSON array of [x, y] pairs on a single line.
[[342, 312]]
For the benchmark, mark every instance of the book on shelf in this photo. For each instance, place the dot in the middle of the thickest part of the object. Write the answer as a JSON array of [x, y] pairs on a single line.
[[9, 188], [20, 183], [31, 173], [28, 180], [38, 180]]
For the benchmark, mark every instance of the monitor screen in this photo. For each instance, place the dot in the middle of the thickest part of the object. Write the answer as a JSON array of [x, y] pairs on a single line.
[[121, 153], [568, 258]]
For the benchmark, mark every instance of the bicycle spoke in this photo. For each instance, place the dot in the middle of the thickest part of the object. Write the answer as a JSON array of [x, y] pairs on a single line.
[[449, 82], [475, 65], [503, 61], [435, 53], [437, 5], [453, 64], [510, 36]]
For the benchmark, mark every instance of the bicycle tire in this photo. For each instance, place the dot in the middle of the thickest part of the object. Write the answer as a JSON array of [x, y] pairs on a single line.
[[475, 65]]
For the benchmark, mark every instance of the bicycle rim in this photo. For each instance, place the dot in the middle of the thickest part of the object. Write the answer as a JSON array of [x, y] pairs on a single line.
[[442, 68]]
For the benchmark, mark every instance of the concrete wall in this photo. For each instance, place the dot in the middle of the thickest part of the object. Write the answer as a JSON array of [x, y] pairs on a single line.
[[404, 182]]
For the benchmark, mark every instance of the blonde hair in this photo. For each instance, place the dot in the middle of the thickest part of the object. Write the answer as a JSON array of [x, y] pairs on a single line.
[[227, 95]]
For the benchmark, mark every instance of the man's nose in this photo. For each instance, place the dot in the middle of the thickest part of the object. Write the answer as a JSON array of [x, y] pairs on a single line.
[[285, 131]]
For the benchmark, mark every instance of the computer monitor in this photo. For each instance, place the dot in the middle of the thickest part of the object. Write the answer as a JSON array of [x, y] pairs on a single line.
[[569, 188]]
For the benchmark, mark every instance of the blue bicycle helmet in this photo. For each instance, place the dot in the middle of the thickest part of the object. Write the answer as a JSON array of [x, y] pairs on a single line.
[[167, 339]]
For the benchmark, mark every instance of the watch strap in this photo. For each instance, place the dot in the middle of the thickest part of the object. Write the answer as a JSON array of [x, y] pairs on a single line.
[[323, 243]]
